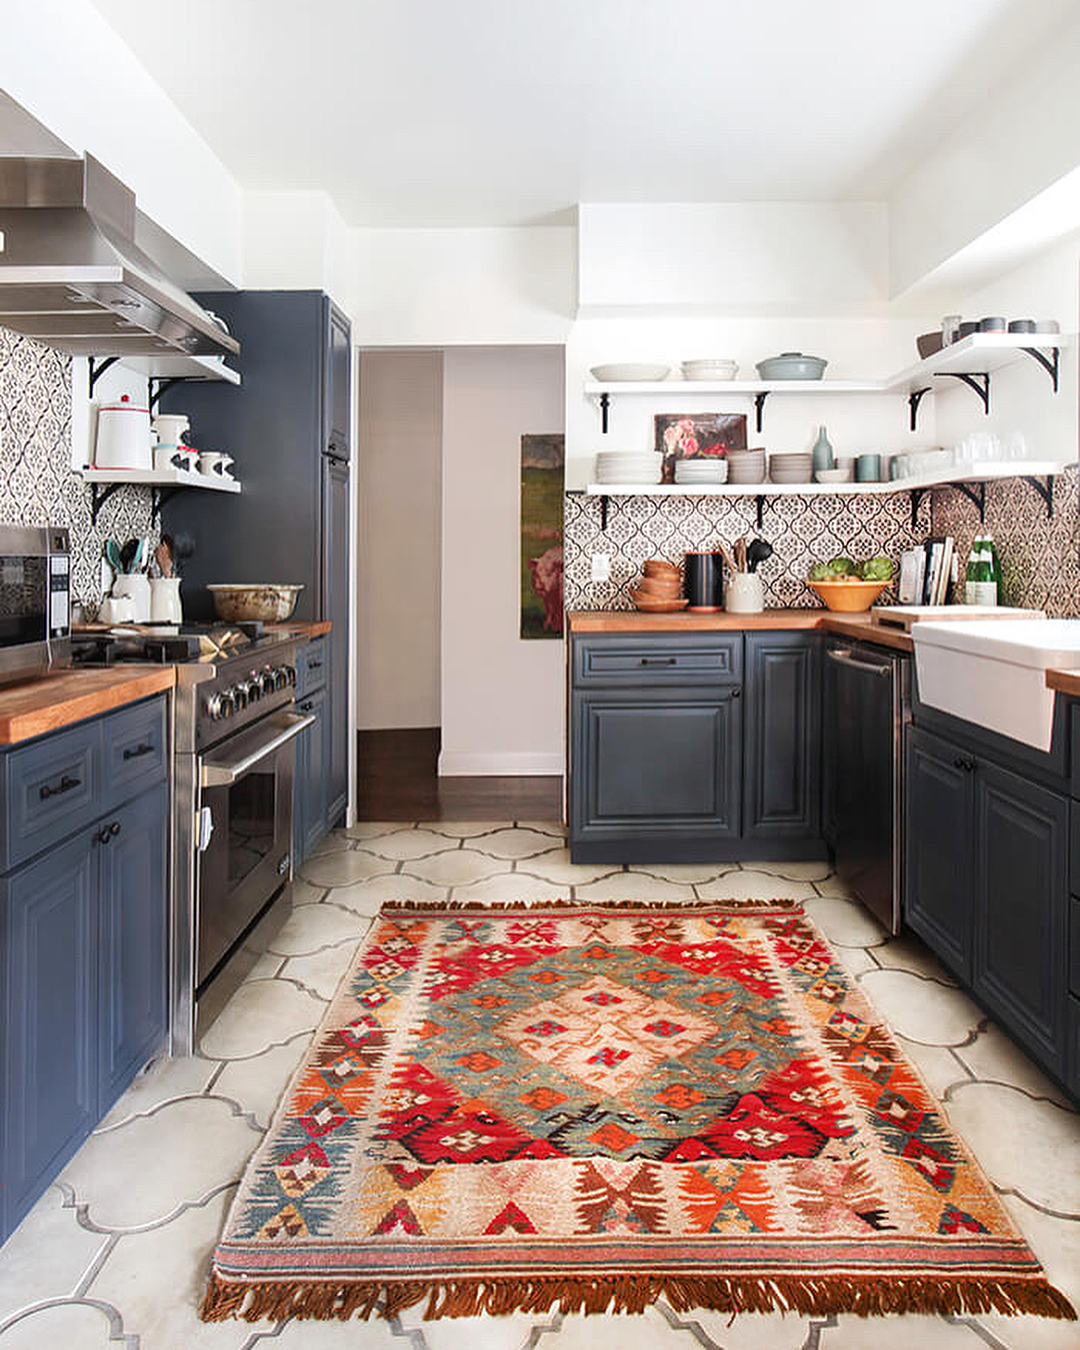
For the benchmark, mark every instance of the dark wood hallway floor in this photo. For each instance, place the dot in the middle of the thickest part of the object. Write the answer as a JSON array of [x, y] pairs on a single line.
[[398, 780]]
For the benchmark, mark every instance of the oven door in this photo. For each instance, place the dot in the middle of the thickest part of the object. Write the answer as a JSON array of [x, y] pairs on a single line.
[[245, 832]]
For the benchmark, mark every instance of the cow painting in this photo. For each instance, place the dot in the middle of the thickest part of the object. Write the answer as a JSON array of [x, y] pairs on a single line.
[[541, 574], [547, 581]]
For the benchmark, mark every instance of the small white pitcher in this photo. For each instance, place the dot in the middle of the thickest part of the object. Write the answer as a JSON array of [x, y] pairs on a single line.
[[165, 606]]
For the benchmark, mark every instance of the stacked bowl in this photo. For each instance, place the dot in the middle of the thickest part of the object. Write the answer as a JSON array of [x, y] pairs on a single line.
[[796, 467], [746, 466], [659, 589], [711, 369], [701, 470], [628, 466]]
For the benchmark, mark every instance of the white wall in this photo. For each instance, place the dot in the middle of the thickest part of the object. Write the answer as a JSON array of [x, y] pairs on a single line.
[[502, 698], [298, 241], [398, 466], [444, 287]]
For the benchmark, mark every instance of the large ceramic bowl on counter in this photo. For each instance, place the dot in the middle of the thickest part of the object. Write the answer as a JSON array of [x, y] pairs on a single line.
[[265, 603], [850, 596], [792, 366]]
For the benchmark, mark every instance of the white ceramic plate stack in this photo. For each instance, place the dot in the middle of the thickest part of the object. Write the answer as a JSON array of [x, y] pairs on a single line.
[[791, 468], [705, 470], [746, 466], [628, 466], [711, 369]]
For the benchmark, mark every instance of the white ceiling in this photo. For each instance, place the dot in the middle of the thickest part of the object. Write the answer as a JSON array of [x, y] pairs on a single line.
[[494, 112]]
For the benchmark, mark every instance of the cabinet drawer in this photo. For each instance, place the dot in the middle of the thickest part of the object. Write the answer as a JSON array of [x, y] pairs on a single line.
[[135, 749], [677, 659], [311, 667], [52, 787]]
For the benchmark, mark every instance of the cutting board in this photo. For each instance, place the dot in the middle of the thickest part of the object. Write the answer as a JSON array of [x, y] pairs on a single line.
[[903, 616]]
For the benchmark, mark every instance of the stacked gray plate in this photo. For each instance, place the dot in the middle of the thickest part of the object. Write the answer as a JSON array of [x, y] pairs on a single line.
[[628, 466], [706, 470], [791, 468], [746, 466]]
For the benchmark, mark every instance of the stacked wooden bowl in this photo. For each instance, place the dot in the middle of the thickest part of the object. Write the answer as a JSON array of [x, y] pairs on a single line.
[[659, 589]]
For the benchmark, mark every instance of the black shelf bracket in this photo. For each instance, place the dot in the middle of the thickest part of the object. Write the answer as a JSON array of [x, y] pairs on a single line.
[[605, 405], [1045, 491], [95, 369], [977, 380], [603, 509], [158, 498], [160, 384], [759, 410], [974, 492], [917, 495], [99, 495], [913, 400], [1048, 363], [760, 511]]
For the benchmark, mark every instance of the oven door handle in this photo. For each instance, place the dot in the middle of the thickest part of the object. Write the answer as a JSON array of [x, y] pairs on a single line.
[[224, 772]]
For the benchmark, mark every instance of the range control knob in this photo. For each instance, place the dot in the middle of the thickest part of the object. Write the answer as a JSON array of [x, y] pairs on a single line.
[[266, 681], [221, 705], [290, 674], [279, 677], [254, 687], [240, 694]]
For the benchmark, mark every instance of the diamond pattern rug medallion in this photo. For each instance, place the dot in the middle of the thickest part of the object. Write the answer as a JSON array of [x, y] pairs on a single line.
[[588, 1107]]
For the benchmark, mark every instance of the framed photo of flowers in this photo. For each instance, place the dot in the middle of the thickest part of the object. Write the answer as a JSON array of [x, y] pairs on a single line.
[[692, 435]]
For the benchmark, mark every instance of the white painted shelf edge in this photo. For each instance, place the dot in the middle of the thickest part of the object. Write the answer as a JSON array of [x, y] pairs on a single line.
[[972, 355], [1017, 468], [159, 478], [175, 365]]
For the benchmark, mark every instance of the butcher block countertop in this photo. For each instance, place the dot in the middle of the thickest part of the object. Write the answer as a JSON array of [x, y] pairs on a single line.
[[315, 628], [55, 701], [631, 621], [1064, 682]]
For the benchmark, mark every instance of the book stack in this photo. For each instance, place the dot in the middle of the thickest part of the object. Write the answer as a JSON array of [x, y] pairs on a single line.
[[927, 570]]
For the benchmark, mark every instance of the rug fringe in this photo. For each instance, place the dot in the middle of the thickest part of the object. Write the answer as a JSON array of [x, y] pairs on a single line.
[[407, 906], [869, 1295]]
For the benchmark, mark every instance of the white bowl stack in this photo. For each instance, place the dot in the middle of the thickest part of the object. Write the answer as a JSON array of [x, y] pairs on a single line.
[[791, 468], [710, 369], [628, 467], [701, 471]]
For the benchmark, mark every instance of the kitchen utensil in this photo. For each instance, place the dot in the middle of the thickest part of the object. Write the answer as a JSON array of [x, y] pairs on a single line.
[[651, 605], [996, 323], [740, 553], [792, 366], [165, 605], [136, 588], [758, 552], [170, 428], [703, 580], [1022, 326], [112, 555], [127, 554], [710, 370], [270, 602], [643, 371], [929, 343], [848, 597], [744, 594], [868, 469], [142, 555], [123, 436]]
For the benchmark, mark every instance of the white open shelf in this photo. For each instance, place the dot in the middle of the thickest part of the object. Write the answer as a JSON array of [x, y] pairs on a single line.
[[160, 478], [985, 473], [175, 365]]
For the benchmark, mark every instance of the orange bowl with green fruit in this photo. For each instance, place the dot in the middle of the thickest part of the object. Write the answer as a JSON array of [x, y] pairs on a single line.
[[849, 587]]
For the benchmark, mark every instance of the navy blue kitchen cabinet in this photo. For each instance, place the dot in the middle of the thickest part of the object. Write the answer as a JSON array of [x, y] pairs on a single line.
[[83, 943], [783, 736], [987, 885], [695, 747], [336, 591]]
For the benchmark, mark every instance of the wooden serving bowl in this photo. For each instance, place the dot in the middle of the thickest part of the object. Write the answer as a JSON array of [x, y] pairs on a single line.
[[660, 567], [655, 604], [664, 587]]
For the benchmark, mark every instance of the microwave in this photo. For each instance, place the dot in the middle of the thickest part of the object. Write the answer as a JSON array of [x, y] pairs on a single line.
[[35, 600]]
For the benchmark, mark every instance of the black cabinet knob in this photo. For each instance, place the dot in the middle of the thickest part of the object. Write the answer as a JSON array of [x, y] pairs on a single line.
[[736, 693]]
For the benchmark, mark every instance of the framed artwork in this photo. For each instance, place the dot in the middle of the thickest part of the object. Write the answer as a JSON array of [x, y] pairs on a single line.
[[689, 435], [542, 462]]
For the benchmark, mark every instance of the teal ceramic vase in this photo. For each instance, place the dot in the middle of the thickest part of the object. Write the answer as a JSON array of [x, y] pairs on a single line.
[[823, 455]]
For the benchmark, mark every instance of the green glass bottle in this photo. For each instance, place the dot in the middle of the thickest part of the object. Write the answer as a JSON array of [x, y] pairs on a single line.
[[980, 584]]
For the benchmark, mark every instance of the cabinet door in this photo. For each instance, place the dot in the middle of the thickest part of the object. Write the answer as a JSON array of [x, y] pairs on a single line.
[[336, 607], [48, 1034], [783, 736], [311, 774], [660, 763], [1021, 899], [830, 720], [939, 847], [134, 906], [338, 367]]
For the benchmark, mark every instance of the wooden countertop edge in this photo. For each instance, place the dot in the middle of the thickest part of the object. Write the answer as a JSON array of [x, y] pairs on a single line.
[[1064, 682], [631, 621], [58, 700], [312, 629]]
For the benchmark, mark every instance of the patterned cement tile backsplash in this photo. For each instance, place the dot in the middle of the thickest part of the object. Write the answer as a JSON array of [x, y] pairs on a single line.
[[802, 530], [37, 486], [1040, 556]]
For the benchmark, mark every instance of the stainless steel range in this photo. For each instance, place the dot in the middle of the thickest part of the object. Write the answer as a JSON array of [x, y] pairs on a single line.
[[233, 733]]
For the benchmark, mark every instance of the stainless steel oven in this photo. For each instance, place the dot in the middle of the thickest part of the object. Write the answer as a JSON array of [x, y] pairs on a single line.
[[245, 831], [35, 600]]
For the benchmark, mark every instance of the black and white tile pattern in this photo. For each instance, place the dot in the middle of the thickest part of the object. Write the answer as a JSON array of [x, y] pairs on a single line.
[[37, 486], [117, 1252]]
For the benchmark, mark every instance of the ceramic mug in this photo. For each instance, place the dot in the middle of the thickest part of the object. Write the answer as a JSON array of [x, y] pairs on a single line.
[[210, 463], [168, 457], [868, 469], [744, 594], [116, 610]]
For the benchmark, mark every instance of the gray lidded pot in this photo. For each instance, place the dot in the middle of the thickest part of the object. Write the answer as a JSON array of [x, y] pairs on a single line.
[[792, 366]]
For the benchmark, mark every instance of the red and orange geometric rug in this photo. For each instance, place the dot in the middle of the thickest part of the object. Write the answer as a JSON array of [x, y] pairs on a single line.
[[588, 1107]]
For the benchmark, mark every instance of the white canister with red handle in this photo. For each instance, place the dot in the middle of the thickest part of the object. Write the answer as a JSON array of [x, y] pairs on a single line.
[[123, 436]]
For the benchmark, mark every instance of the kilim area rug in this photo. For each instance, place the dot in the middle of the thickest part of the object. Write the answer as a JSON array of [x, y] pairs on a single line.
[[588, 1107]]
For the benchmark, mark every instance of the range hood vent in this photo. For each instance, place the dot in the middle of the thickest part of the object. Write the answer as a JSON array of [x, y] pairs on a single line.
[[72, 276]]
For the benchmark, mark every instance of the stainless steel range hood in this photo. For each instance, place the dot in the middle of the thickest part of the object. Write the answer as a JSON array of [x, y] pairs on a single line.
[[72, 276]]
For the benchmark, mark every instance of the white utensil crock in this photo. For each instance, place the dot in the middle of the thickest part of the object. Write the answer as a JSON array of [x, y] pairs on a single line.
[[744, 593], [165, 604], [113, 610], [135, 587], [123, 436]]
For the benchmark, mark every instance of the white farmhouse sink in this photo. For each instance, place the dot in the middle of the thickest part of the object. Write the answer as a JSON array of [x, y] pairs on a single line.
[[994, 673]]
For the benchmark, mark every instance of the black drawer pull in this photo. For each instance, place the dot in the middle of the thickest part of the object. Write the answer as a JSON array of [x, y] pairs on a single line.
[[138, 751], [314, 665], [107, 832], [65, 785], [963, 762], [307, 707], [659, 660]]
